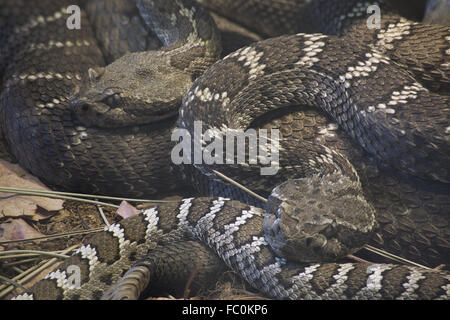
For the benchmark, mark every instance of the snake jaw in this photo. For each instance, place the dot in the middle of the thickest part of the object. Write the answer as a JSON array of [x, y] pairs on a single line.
[[90, 105], [89, 113]]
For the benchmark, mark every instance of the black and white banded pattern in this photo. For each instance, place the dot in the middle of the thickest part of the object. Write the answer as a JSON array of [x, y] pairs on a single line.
[[234, 232]]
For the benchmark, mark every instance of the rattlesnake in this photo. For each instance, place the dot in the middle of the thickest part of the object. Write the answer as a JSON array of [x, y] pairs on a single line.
[[376, 140], [235, 231]]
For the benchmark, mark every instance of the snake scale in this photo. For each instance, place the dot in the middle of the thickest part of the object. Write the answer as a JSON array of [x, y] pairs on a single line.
[[101, 139]]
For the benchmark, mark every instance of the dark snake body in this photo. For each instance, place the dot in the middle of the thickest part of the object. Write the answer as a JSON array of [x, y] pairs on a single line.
[[416, 228], [117, 161]]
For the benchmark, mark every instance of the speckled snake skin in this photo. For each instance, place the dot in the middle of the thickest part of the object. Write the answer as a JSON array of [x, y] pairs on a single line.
[[72, 153], [235, 232], [401, 123]]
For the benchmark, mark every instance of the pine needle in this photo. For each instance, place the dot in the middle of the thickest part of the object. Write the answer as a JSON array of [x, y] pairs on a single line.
[[53, 236], [75, 196], [32, 272], [240, 186]]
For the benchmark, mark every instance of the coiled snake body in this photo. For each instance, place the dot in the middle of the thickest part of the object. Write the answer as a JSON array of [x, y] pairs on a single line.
[[95, 129]]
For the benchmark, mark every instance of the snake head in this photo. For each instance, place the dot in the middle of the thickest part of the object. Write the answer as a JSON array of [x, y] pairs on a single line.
[[97, 108], [318, 219], [136, 89], [97, 105]]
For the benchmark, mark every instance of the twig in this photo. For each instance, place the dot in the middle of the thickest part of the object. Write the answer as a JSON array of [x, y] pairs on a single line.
[[16, 269], [83, 223], [19, 262], [74, 196], [70, 194], [53, 236], [14, 283], [52, 195], [187, 290], [15, 256], [240, 186], [23, 274], [33, 271], [102, 214], [393, 257], [357, 259], [32, 253]]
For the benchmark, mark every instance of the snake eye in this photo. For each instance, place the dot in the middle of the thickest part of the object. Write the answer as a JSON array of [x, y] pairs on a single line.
[[112, 100]]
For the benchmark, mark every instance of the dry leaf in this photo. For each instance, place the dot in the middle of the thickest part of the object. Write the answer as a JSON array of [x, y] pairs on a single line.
[[11, 205], [17, 229], [126, 210]]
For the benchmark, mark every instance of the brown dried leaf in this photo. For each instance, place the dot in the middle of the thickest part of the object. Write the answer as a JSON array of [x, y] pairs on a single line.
[[17, 229], [11, 205], [126, 210]]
